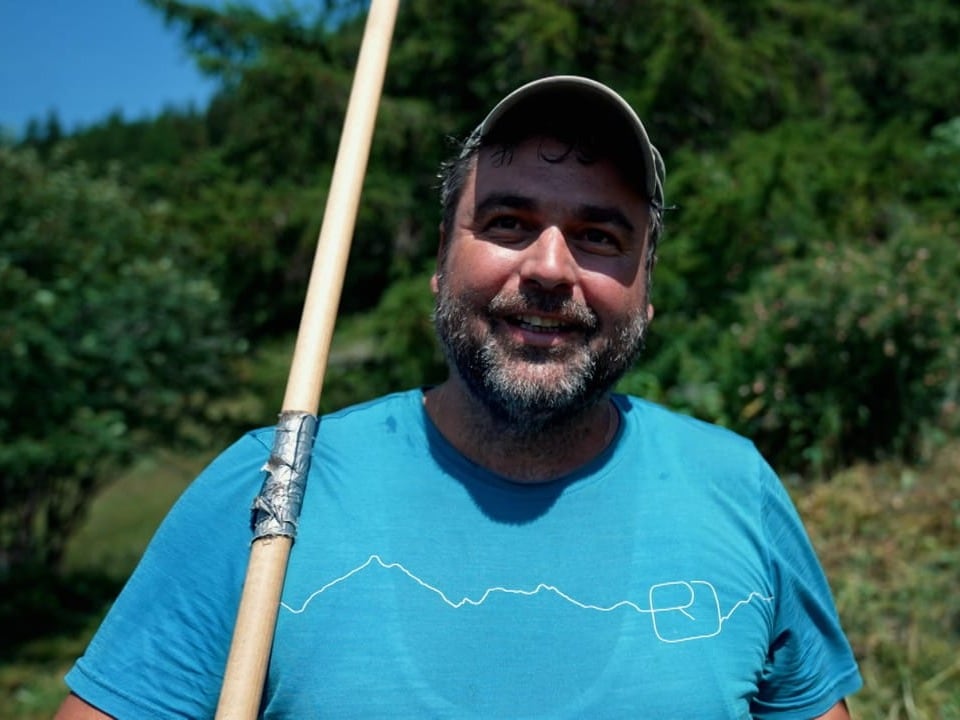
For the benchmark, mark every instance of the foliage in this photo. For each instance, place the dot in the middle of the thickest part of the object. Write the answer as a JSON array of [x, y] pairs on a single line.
[[852, 353], [781, 132], [390, 348], [813, 154], [250, 176], [828, 337], [107, 339]]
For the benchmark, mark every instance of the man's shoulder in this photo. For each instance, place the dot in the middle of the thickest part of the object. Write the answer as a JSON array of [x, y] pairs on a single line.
[[236, 474], [666, 423], [379, 409], [378, 417], [397, 402], [653, 411]]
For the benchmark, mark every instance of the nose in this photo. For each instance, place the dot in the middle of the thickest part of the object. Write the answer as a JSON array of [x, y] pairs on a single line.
[[548, 261]]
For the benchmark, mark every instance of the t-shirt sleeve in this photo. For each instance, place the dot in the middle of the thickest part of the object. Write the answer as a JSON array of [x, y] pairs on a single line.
[[810, 665], [161, 650]]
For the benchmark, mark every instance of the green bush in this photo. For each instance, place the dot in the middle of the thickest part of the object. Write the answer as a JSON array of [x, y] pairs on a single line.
[[389, 348], [851, 353], [107, 340], [806, 289]]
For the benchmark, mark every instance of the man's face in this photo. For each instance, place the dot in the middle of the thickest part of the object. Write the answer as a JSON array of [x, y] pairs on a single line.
[[542, 292]]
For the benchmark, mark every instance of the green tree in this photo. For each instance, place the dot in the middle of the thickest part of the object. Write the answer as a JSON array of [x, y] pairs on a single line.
[[108, 342], [788, 129]]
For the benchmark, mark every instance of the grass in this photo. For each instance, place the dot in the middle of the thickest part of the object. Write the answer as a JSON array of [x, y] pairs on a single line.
[[126, 514], [888, 535], [55, 617], [889, 538]]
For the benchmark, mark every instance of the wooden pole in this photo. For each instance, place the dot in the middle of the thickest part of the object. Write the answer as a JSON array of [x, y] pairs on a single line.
[[249, 654]]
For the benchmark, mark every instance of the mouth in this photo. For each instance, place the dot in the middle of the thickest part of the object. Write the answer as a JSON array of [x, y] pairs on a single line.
[[543, 332], [539, 323], [545, 321]]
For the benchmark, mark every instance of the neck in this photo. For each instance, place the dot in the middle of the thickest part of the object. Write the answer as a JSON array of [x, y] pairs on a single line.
[[517, 453]]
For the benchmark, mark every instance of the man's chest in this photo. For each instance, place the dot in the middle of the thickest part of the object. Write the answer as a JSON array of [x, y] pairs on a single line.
[[396, 636]]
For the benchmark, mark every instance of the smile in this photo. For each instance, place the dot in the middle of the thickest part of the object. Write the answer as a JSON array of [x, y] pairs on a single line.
[[542, 323], [538, 324]]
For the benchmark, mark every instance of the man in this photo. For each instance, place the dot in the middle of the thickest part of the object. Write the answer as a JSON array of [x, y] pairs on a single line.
[[517, 541]]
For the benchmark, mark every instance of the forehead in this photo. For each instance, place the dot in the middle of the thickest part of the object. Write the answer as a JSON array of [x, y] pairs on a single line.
[[545, 167]]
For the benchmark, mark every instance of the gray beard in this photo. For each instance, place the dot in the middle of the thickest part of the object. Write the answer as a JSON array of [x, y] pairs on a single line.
[[523, 404]]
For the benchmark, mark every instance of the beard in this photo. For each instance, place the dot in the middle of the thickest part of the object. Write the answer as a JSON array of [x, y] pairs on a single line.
[[529, 389]]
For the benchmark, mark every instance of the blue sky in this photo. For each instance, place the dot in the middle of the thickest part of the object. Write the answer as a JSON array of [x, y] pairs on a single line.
[[86, 58]]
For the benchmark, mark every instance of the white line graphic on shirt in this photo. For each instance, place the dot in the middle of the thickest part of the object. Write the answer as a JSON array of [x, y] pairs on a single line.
[[681, 611]]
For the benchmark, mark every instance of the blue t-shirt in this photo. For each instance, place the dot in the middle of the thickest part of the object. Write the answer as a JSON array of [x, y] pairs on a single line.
[[668, 578]]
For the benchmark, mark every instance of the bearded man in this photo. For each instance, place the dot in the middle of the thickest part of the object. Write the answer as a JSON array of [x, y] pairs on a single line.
[[519, 541]]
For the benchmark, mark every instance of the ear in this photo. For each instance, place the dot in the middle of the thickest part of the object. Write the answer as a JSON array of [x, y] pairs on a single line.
[[650, 313]]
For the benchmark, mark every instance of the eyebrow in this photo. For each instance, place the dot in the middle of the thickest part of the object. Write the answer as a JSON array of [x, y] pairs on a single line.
[[605, 215], [504, 200], [586, 213]]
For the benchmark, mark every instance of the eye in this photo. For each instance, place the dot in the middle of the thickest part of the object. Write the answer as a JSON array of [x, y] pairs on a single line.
[[508, 228], [594, 239], [504, 222]]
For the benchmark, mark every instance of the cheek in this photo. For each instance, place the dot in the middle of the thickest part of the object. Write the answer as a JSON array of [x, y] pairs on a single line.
[[607, 295], [622, 311], [477, 268]]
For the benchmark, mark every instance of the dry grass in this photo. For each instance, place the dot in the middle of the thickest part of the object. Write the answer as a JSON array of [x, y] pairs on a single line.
[[889, 538]]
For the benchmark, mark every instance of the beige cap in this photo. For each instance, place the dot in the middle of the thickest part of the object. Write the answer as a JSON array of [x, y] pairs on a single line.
[[588, 98]]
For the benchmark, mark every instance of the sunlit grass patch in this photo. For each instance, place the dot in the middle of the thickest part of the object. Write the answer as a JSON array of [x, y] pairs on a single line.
[[889, 538]]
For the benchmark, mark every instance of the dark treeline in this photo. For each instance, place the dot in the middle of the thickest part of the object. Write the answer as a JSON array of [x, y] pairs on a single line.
[[806, 287]]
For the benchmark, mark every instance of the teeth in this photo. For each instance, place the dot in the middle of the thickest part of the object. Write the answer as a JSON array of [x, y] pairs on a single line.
[[539, 321]]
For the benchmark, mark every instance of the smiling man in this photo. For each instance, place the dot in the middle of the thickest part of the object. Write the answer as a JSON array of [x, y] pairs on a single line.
[[519, 541]]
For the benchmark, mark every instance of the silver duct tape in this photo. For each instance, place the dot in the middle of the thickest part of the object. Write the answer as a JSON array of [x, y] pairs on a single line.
[[276, 510]]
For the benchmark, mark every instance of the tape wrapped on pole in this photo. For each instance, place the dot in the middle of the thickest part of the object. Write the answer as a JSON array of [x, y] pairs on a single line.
[[276, 511], [277, 508]]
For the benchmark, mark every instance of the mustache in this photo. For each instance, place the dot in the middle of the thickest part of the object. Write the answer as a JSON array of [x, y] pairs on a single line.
[[533, 301]]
